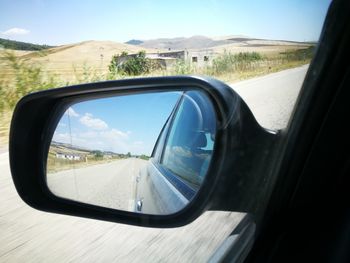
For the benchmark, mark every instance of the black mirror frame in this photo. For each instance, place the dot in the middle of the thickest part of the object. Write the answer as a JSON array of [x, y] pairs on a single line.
[[35, 118]]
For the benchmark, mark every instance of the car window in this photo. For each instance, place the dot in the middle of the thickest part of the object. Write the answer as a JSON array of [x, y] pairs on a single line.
[[187, 152], [158, 148]]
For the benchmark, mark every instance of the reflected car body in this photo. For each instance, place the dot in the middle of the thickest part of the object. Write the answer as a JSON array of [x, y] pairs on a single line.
[[180, 158]]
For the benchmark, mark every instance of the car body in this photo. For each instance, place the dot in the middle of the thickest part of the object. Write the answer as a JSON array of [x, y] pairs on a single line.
[[180, 158]]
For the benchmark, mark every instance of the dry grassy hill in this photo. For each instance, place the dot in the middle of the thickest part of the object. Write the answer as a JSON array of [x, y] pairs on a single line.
[[70, 62], [246, 44], [92, 54], [67, 61]]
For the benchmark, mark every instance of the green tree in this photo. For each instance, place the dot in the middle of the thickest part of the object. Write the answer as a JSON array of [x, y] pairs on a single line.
[[134, 65], [97, 154]]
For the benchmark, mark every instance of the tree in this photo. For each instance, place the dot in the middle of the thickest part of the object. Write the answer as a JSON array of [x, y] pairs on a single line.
[[134, 65], [97, 154]]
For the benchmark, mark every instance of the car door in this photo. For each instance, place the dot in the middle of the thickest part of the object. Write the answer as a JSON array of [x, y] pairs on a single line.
[[180, 158]]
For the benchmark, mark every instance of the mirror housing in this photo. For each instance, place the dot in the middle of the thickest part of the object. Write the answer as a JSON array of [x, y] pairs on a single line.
[[231, 179]]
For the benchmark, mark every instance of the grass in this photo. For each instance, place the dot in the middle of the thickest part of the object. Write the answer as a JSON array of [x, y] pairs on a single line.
[[19, 76], [260, 69]]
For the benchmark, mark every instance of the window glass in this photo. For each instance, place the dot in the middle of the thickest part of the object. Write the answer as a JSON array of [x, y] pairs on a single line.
[[158, 148], [189, 147]]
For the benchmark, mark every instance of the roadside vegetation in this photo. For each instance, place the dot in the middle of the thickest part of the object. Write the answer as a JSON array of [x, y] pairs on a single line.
[[236, 67], [19, 77], [63, 157]]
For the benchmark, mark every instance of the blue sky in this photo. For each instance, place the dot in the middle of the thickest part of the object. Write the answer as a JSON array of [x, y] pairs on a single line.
[[68, 21], [119, 124]]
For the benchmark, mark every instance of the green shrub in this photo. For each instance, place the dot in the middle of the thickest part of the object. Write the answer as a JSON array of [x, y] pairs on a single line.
[[182, 68], [144, 157], [97, 154], [135, 65]]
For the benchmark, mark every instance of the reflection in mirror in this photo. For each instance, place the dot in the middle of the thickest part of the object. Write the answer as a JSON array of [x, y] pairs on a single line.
[[146, 153]]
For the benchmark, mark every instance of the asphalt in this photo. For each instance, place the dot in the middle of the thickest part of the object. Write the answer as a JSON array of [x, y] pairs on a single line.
[[271, 98], [111, 184], [28, 235]]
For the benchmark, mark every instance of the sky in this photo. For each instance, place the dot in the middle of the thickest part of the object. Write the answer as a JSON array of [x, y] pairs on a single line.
[[119, 124], [68, 21]]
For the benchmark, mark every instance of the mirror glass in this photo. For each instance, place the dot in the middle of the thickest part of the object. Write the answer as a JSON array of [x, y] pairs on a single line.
[[145, 153]]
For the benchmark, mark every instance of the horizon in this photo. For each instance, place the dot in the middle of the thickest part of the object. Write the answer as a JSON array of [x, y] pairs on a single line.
[[144, 40], [65, 22]]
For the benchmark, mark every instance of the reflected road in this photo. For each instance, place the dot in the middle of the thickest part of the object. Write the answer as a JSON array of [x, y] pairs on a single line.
[[111, 184]]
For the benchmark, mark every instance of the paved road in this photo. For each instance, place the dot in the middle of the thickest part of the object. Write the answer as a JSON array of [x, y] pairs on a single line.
[[28, 235], [272, 97], [110, 185]]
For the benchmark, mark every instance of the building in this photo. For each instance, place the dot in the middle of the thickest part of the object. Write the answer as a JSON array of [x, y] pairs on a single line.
[[69, 156], [199, 58]]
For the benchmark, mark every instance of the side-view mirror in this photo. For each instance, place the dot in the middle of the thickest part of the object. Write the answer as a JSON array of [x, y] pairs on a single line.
[[120, 152], [152, 152]]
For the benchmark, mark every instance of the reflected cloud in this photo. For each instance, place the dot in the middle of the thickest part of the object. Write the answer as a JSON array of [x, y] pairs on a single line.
[[115, 134], [15, 31], [71, 112], [94, 123], [120, 125]]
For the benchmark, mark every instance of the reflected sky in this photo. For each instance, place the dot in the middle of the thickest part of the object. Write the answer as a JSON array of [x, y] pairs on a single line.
[[119, 124]]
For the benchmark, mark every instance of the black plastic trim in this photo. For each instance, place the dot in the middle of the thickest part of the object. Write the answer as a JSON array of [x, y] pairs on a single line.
[[37, 114]]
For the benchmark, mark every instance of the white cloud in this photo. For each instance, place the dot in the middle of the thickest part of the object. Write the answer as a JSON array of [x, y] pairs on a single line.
[[99, 136], [16, 31], [71, 112], [115, 134], [94, 123], [75, 139], [106, 140], [64, 137], [89, 135]]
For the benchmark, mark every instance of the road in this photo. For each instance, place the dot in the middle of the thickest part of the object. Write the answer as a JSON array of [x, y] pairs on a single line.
[[28, 235], [109, 185], [272, 97]]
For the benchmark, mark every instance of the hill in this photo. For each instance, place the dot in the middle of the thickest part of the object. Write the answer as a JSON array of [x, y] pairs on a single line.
[[72, 59], [203, 42], [17, 45], [134, 42], [180, 43], [85, 61]]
